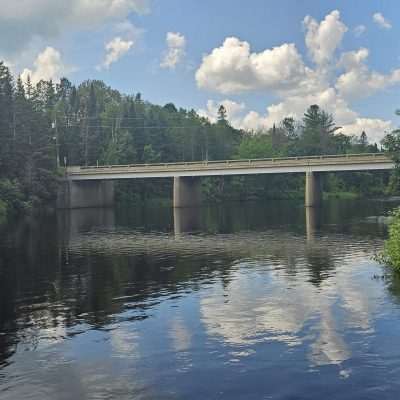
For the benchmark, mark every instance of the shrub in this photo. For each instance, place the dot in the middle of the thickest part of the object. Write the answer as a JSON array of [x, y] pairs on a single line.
[[12, 196], [391, 253], [3, 211]]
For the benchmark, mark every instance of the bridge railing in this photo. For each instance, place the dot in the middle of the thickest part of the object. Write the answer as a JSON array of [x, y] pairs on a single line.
[[237, 161]]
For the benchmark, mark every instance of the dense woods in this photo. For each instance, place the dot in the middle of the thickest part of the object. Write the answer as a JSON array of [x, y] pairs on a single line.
[[46, 126]]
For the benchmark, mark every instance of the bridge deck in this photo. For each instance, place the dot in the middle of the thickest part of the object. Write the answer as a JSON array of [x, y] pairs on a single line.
[[329, 163]]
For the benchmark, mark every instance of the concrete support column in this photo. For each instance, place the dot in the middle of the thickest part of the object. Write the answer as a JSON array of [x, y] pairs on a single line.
[[86, 194], [187, 191], [313, 189]]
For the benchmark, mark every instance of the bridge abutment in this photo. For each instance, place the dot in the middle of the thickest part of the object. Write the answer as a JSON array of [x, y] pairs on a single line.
[[187, 191], [85, 194], [313, 195]]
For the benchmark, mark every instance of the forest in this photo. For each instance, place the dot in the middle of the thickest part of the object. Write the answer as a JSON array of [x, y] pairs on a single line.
[[47, 126]]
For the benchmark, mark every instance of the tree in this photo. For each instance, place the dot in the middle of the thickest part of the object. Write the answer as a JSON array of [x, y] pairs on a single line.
[[318, 131], [391, 144], [222, 115], [7, 132], [363, 139]]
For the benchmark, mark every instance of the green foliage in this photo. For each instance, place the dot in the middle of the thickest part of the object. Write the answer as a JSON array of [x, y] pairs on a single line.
[[27, 148], [391, 143], [391, 254], [44, 126], [318, 132], [3, 212], [255, 146], [13, 197]]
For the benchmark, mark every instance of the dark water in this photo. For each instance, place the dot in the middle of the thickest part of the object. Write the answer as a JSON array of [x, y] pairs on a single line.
[[258, 302]]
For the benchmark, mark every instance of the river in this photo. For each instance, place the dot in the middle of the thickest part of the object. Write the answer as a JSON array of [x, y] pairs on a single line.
[[236, 301]]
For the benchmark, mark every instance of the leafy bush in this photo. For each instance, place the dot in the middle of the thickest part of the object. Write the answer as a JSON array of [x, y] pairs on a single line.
[[391, 253], [3, 211], [12, 196]]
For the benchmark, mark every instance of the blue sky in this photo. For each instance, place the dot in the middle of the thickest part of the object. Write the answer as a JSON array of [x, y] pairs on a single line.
[[262, 59]]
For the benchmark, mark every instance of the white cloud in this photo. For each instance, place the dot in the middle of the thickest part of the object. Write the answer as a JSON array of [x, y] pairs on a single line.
[[232, 68], [115, 49], [329, 100], [48, 65], [380, 20], [358, 80], [77, 9], [23, 21], [129, 30], [176, 44], [322, 39], [359, 30], [233, 109], [374, 127]]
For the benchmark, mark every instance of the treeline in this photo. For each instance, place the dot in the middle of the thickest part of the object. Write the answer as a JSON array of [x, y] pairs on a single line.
[[47, 126], [27, 168]]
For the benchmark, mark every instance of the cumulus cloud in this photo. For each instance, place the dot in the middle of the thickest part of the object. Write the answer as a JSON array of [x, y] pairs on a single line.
[[322, 39], [127, 37], [380, 20], [349, 120], [26, 20], [359, 30], [48, 65], [233, 109], [292, 106], [335, 80], [375, 128], [176, 44], [115, 49], [232, 68], [358, 80]]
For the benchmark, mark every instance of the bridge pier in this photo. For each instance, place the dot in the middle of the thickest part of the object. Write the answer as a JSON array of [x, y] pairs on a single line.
[[85, 194], [187, 191], [313, 193]]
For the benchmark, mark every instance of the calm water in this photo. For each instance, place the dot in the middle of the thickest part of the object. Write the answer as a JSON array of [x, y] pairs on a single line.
[[243, 301]]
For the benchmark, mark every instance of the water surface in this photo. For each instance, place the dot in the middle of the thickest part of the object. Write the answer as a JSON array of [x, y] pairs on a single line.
[[238, 301]]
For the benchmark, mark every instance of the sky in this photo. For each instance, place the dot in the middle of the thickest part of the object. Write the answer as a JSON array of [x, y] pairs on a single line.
[[263, 60]]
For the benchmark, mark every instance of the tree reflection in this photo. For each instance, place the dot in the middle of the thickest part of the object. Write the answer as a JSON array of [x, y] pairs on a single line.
[[91, 268]]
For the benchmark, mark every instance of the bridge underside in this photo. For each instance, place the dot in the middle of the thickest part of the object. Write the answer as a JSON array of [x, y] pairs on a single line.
[[85, 194], [186, 192]]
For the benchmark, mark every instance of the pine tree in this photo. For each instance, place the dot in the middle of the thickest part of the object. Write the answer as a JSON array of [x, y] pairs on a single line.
[[7, 118]]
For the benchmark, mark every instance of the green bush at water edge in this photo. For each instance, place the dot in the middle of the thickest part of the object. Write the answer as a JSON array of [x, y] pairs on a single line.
[[3, 211], [391, 252]]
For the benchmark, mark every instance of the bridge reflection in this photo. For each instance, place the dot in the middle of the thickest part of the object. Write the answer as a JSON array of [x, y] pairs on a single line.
[[185, 221], [95, 267]]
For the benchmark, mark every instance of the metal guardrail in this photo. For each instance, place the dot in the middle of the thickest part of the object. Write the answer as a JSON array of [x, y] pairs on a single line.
[[207, 163]]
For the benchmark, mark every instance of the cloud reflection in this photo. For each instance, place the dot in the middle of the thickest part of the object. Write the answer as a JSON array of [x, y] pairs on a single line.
[[276, 306]]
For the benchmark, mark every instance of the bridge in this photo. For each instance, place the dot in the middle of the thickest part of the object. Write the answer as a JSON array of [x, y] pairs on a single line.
[[92, 186]]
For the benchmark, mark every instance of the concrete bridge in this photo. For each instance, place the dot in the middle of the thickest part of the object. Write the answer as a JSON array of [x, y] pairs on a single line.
[[92, 186]]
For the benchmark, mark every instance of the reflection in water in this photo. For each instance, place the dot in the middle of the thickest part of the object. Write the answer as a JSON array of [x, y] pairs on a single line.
[[312, 222], [103, 303], [186, 220]]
